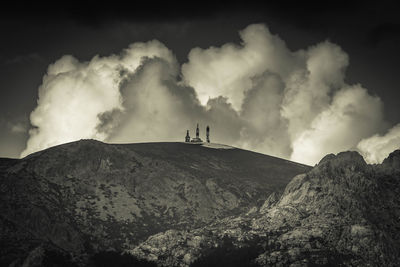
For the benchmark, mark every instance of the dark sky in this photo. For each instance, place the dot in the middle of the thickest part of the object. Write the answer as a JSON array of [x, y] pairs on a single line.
[[33, 36]]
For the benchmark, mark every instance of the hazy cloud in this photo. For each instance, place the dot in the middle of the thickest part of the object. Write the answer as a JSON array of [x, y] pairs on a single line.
[[19, 128], [257, 95], [15, 125]]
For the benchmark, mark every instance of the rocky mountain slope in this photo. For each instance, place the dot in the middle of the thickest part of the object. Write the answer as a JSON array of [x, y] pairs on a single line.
[[84, 197], [343, 212]]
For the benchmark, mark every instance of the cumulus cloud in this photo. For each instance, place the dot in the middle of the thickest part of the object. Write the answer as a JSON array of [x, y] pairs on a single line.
[[377, 147], [264, 129], [309, 90], [73, 95], [228, 70], [257, 95], [352, 116], [155, 106]]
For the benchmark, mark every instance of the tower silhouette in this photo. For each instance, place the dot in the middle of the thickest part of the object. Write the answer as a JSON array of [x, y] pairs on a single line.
[[187, 138]]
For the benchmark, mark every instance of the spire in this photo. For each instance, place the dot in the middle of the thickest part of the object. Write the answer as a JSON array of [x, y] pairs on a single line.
[[208, 134], [187, 138], [195, 139]]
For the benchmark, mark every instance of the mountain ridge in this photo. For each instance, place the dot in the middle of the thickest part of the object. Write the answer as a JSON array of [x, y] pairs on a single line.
[[343, 212], [90, 196], [175, 204]]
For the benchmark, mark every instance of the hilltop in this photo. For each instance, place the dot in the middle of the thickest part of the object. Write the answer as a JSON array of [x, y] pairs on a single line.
[[87, 196]]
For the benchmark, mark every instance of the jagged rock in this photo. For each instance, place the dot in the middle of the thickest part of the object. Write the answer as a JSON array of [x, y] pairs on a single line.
[[271, 200], [339, 203], [392, 161], [342, 212]]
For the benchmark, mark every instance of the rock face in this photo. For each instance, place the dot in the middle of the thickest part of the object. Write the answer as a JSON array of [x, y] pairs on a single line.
[[87, 196], [342, 212]]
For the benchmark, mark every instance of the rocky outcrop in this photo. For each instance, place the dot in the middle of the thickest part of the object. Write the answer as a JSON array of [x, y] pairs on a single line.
[[392, 163], [271, 200], [342, 212]]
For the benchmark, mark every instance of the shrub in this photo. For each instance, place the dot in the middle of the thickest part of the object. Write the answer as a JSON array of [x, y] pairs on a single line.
[[113, 258], [227, 254]]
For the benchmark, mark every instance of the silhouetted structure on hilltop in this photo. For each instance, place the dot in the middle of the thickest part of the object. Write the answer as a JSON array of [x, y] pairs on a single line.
[[197, 139], [187, 138]]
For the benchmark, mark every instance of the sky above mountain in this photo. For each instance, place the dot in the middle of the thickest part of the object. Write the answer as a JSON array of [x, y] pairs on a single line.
[[294, 81]]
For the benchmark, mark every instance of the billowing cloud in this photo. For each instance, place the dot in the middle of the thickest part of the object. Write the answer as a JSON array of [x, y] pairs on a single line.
[[309, 91], [352, 116], [155, 106], [377, 147], [264, 129], [257, 95], [228, 70], [73, 94]]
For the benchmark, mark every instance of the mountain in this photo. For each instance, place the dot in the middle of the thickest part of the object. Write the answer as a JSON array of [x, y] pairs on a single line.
[[343, 212], [62, 205]]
